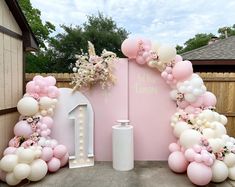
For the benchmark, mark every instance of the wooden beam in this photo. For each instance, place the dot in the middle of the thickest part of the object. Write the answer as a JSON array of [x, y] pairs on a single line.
[[8, 110], [8, 32]]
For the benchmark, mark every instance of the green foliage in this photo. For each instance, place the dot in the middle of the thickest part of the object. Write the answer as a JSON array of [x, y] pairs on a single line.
[[230, 31]]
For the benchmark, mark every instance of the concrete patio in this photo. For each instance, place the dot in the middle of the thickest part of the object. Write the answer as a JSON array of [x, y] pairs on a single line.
[[145, 174]]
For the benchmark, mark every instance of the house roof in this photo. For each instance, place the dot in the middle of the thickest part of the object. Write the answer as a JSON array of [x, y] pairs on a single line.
[[29, 40], [223, 49]]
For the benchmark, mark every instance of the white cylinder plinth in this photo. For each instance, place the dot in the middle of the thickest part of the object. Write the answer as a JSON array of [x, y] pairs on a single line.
[[123, 149]]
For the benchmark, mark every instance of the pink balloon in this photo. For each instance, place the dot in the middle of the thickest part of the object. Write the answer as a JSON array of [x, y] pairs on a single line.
[[178, 58], [64, 160], [189, 154], [43, 133], [197, 148], [140, 60], [47, 154], [170, 77], [22, 128], [182, 104], [174, 147], [199, 173], [30, 87], [198, 158], [130, 47], [9, 150], [182, 70], [164, 74], [145, 55], [177, 162], [51, 81], [53, 164], [53, 92], [48, 121], [209, 99], [2, 175], [60, 151], [190, 109]]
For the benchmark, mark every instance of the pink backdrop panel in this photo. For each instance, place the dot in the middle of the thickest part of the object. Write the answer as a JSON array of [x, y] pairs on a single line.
[[109, 106], [150, 110]]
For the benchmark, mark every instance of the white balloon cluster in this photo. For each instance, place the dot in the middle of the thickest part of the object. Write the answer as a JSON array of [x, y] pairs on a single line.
[[47, 106], [24, 164]]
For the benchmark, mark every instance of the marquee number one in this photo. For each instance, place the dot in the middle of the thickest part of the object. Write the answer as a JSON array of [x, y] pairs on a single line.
[[83, 129]]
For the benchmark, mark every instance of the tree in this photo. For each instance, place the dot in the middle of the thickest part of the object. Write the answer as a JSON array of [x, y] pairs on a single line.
[[230, 31], [197, 41], [100, 30]]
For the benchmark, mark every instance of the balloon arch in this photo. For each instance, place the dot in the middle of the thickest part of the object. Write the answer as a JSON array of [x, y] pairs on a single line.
[[203, 148]]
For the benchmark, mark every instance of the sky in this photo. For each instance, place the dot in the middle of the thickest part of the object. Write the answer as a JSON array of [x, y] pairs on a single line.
[[164, 21]]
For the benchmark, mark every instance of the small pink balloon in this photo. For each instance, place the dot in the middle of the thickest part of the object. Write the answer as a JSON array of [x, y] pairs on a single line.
[[60, 151], [50, 80], [205, 157], [140, 60], [177, 162], [64, 160], [178, 58], [189, 154], [53, 164], [43, 133], [48, 121], [164, 74], [47, 154], [198, 158], [130, 47], [168, 69], [37, 78], [48, 132], [22, 128], [182, 104], [209, 162], [190, 109], [9, 150], [30, 87], [182, 70], [53, 92], [209, 99], [2, 176], [174, 147], [197, 148], [145, 55], [170, 77], [199, 173], [43, 126], [54, 143]]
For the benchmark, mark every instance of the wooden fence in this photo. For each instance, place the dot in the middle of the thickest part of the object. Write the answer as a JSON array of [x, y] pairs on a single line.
[[221, 84]]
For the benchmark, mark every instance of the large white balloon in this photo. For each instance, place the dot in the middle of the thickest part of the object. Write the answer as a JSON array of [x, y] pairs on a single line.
[[11, 179], [229, 160], [38, 170], [180, 127], [46, 102], [231, 173], [219, 171], [219, 129], [28, 106], [21, 171], [216, 144], [26, 156], [8, 162], [189, 138], [208, 133]]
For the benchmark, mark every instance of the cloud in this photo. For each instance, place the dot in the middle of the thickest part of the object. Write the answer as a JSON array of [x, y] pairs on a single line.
[[169, 21]]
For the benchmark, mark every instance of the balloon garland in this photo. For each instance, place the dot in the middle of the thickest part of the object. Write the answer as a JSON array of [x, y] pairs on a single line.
[[203, 149], [32, 152]]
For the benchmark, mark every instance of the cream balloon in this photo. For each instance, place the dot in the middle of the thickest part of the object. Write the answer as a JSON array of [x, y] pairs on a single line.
[[180, 127], [231, 173], [229, 160], [208, 133], [219, 129], [26, 156], [11, 179], [219, 171], [189, 138], [8, 162], [166, 53], [21, 171], [216, 144], [28, 106], [223, 119], [38, 170], [45, 102]]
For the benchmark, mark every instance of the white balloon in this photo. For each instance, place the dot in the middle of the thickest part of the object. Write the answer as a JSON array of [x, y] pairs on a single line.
[[8, 162], [45, 102], [189, 138], [208, 133], [28, 106], [190, 97], [196, 82], [179, 128], [21, 171], [219, 129], [166, 53], [216, 144], [231, 173], [223, 119], [173, 94], [196, 92], [156, 46], [219, 171], [182, 89], [38, 170], [12, 180], [229, 160], [26, 156], [189, 89]]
